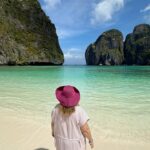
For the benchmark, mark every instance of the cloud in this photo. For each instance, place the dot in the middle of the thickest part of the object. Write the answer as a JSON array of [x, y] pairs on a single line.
[[73, 53], [64, 33], [104, 10], [74, 56], [70, 17], [146, 12], [50, 4], [147, 8], [73, 18]]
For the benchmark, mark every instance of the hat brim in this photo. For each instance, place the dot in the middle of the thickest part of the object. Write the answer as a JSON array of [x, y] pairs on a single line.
[[67, 102]]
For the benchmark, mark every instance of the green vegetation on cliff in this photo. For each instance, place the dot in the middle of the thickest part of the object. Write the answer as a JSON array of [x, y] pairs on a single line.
[[137, 46], [27, 35], [107, 50]]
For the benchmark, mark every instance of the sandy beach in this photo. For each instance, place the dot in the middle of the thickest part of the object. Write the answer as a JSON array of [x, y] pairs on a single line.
[[18, 133]]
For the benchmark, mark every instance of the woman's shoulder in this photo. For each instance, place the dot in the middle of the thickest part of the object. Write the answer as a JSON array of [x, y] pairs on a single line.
[[82, 115], [79, 108]]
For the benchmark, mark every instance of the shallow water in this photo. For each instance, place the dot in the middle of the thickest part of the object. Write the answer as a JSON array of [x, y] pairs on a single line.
[[117, 99]]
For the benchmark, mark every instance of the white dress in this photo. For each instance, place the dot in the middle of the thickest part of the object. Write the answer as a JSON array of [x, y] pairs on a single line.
[[67, 131]]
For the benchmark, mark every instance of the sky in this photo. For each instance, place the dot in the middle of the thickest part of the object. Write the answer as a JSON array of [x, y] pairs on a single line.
[[80, 22]]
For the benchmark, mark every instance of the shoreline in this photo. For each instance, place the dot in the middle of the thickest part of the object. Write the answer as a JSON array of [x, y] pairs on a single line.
[[18, 133]]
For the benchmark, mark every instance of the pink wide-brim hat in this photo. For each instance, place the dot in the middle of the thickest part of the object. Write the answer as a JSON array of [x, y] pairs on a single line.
[[68, 95]]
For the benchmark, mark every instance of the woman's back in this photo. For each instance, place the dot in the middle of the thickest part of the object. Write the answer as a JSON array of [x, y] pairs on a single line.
[[67, 128], [69, 121]]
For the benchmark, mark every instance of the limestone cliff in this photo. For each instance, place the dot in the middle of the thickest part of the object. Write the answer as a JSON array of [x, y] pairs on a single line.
[[137, 46], [27, 36], [107, 50]]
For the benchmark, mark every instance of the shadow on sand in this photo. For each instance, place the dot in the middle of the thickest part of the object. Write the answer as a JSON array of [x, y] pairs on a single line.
[[41, 149]]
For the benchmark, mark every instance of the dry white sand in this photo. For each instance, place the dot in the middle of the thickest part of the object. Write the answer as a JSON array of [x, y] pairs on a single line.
[[20, 133]]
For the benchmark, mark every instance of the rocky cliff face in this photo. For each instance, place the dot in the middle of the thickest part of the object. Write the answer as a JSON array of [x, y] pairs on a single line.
[[137, 46], [107, 50], [27, 36]]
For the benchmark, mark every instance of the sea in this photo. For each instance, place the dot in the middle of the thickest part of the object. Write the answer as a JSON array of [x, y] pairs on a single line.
[[116, 98]]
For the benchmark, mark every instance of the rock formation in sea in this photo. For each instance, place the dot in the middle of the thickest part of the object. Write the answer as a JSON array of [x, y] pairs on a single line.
[[107, 50], [137, 46], [27, 36]]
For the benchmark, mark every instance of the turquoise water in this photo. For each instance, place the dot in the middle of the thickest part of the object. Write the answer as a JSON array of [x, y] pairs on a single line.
[[117, 99]]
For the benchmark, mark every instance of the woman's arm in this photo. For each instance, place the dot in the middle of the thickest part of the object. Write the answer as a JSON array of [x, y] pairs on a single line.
[[87, 133]]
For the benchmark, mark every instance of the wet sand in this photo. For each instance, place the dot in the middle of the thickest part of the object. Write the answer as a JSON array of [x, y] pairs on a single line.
[[20, 133]]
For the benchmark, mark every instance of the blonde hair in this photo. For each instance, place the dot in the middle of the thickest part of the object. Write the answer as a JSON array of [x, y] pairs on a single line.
[[66, 110]]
